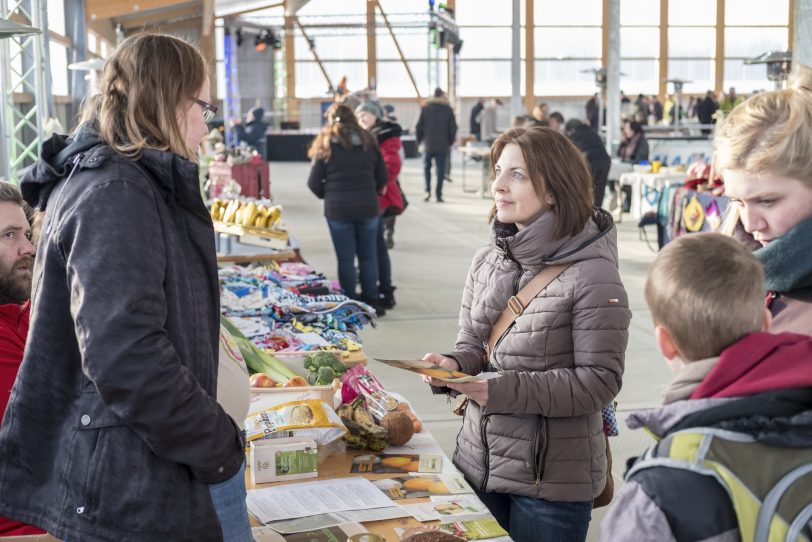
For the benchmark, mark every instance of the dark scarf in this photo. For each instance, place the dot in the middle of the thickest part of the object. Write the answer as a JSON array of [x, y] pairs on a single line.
[[787, 261]]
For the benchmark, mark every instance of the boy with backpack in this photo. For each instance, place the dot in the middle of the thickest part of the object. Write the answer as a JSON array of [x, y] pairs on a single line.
[[733, 459]]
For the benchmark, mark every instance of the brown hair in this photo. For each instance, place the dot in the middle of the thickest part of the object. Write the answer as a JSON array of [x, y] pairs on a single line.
[[557, 168], [707, 290], [341, 125], [142, 84], [771, 131]]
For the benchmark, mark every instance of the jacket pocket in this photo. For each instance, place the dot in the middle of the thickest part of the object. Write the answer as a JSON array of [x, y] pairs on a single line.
[[127, 486]]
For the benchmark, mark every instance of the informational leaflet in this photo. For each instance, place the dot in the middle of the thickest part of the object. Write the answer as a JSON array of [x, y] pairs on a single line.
[[309, 534], [433, 370], [447, 508], [475, 529], [311, 498], [397, 463], [321, 521], [423, 485]]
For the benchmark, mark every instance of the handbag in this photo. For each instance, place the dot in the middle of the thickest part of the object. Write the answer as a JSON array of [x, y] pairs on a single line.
[[515, 307]]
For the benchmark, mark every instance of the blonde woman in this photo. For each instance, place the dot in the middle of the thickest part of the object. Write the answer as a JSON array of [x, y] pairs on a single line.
[[113, 431], [763, 151]]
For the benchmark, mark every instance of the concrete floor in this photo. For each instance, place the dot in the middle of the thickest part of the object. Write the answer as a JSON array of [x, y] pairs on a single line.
[[434, 244]]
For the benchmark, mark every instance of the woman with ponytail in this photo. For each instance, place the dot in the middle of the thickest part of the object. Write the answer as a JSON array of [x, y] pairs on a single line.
[[764, 153], [348, 173]]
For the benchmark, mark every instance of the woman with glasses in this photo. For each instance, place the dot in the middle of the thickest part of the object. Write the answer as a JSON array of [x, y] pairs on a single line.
[[113, 431]]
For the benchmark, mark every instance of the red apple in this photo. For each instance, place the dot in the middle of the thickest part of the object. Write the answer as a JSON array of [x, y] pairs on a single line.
[[261, 380]]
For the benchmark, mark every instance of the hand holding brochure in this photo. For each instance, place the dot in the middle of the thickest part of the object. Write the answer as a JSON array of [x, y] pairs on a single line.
[[433, 370]]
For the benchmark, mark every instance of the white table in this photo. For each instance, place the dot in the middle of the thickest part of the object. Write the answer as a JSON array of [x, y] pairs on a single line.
[[483, 154]]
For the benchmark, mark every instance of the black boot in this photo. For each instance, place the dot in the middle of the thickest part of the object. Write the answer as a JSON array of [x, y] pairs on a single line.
[[380, 310], [386, 297]]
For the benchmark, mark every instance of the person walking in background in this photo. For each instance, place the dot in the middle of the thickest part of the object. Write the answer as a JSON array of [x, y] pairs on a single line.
[[252, 133], [541, 112], [556, 121], [387, 134], [436, 130], [532, 442], [599, 160], [762, 152], [102, 435], [476, 128], [730, 101], [592, 111], [656, 108], [705, 109], [348, 173], [488, 117]]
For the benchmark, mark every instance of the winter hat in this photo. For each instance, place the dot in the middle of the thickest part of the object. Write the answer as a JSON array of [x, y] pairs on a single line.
[[370, 107]]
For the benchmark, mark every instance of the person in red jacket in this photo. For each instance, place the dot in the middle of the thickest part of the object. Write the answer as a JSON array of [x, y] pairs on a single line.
[[16, 265], [387, 134]]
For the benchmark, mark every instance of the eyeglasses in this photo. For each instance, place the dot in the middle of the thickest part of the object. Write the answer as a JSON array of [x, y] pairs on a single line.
[[209, 110]]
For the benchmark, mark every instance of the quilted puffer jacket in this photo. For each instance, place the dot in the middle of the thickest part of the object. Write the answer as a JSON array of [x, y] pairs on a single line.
[[540, 434]]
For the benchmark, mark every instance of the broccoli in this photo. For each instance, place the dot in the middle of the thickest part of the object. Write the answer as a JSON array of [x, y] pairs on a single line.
[[323, 367]]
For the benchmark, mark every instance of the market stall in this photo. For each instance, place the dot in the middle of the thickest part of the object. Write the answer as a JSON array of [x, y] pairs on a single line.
[[646, 188], [684, 210]]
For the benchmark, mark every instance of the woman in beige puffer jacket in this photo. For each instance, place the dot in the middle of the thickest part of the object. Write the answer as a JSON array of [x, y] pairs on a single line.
[[532, 441]]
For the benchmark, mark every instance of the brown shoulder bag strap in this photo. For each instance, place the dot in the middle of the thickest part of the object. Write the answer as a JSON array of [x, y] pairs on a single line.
[[517, 303]]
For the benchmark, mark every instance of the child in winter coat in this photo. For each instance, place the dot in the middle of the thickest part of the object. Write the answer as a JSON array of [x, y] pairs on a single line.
[[737, 415]]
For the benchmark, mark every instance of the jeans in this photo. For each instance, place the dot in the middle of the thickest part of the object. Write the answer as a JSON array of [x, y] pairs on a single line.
[[384, 263], [353, 238], [228, 499], [439, 163], [536, 520]]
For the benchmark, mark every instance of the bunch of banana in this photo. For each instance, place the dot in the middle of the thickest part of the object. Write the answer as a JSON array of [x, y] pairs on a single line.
[[218, 209], [248, 214], [363, 431]]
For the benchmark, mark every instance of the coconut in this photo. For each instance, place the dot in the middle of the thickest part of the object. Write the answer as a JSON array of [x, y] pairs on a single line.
[[399, 426]]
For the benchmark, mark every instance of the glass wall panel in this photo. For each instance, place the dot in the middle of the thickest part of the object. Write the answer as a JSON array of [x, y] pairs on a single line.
[[699, 42], [756, 12], [59, 68], [750, 42], [352, 46], [483, 12], [572, 42], [486, 42], [640, 76], [394, 82], [414, 44], [699, 72], [56, 16], [638, 42], [564, 77], [571, 12], [692, 12], [746, 78], [640, 12], [485, 78]]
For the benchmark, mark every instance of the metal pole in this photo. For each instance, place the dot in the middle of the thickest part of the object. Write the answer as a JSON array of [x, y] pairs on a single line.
[[802, 33], [613, 78], [516, 108]]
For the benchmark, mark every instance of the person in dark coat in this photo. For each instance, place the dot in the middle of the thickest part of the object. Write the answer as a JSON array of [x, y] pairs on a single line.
[[476, 127], [436, 129], [253, 131], [113, 430], [599, 160], [705, 108], [634, 147], [349, 173]]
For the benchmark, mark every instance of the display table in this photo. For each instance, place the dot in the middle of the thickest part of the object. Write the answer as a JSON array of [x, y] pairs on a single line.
[[646, 189], [480, 155], [339, 465]]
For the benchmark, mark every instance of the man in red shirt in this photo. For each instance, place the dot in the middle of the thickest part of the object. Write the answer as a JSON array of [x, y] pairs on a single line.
[[16, 266]]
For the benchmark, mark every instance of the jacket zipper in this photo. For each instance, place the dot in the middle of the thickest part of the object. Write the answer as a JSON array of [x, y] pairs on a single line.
[[483, 427], [538, 457]]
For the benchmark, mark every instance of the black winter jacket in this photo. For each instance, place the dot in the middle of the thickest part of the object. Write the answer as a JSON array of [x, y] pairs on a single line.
[[113, 431], [349, 182], [437, 126]]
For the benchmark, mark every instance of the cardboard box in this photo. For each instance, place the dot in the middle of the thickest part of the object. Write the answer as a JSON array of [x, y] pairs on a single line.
[[279, 459]]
